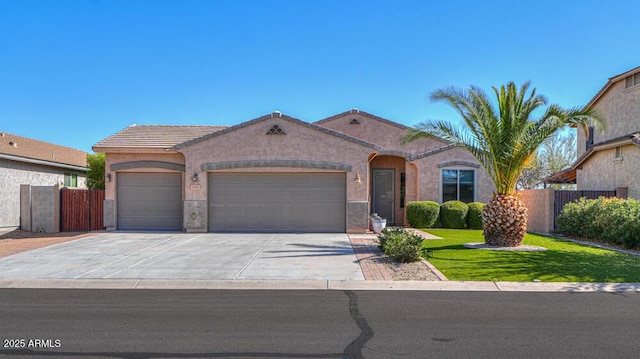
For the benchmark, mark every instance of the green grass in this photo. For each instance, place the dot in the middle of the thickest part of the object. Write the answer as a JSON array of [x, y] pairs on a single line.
[[563, 261]]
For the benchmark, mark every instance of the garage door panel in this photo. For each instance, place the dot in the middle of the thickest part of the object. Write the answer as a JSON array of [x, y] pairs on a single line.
[[149, 201], [277, 202]]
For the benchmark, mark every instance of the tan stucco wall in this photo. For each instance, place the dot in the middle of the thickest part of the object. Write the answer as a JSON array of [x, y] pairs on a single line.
[[299, 143], [539, 203], [379, 132], [620, 108], [115, 158], [601, 172], [430, 175]]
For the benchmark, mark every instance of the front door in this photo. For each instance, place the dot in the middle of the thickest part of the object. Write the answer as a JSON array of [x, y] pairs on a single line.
[[382, 194]]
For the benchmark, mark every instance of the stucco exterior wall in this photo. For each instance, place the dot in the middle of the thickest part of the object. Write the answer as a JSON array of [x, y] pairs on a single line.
[[381, 133], [13, 174], [602, 172], [620, 108], [540, 205], [119, 158], [430, 175], [299, 143]]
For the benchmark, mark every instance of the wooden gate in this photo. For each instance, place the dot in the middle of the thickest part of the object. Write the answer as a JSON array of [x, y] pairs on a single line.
[[81, 210]]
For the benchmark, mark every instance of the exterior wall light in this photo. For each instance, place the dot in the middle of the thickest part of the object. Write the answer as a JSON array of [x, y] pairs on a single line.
[[358, 179], [195, 177], [108, 177]]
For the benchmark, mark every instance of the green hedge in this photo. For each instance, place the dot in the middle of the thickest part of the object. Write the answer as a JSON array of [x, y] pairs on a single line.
[[400, 245], [474, 215], [609, 220], [453, 214], [423, 214]]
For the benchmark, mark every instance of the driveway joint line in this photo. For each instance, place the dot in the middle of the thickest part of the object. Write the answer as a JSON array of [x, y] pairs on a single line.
[[125, 257], [153, 256], [255, 256]]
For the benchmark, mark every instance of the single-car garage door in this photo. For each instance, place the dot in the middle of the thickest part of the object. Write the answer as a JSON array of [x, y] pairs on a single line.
[[277, 202], [150, 201]]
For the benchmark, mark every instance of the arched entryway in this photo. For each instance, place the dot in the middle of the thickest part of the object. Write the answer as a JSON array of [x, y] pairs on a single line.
[[388, 187]]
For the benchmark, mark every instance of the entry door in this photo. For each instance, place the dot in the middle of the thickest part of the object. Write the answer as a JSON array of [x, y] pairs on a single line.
[[382, 193]]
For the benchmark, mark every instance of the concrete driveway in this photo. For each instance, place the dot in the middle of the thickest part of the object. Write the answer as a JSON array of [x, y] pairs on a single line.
[[119, 255]]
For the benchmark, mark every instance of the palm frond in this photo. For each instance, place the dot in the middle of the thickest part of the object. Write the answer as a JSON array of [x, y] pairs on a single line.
[[503, 136]]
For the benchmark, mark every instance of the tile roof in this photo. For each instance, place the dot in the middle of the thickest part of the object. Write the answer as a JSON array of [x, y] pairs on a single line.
[[363, 113], [282, 116], [17, 147], [155, 136]]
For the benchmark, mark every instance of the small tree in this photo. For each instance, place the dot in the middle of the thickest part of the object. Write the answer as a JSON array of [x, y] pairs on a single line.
[[95, 176]]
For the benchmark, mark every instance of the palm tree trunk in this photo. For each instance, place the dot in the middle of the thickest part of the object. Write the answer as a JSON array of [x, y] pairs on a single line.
[[504, 220]]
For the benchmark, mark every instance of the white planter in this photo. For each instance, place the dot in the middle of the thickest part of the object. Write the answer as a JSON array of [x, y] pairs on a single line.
[[378, 224]]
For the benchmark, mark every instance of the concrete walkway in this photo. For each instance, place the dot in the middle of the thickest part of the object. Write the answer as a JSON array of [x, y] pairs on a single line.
[[321, 285]]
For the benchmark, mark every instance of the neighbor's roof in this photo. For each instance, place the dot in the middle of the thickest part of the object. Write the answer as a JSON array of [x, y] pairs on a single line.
[[155, 136], [18, 148], [569, 175]]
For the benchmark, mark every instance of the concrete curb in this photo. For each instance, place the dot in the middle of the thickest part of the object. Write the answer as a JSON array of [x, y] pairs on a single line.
[[319, 285]]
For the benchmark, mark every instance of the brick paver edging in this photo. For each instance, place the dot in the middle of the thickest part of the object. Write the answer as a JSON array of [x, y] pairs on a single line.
[[366, 250]]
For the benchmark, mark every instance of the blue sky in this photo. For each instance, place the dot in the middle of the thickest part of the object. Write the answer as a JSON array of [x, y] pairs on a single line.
[[75, 72]]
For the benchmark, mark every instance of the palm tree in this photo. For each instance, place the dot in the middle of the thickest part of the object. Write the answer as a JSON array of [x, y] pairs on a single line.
[[504, 140]]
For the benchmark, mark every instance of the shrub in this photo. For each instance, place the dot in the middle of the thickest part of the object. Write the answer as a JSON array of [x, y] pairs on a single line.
[[453, 214], [474, 215], [610, 220], [400, 245], [423, 214]]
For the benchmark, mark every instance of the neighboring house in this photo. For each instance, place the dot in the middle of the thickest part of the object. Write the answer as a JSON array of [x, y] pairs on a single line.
[[32, 162], [610, 159], [278, 173]]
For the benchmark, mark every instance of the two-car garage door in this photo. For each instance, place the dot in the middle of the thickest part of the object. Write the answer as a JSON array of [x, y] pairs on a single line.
[[277, 202], [238, 202]]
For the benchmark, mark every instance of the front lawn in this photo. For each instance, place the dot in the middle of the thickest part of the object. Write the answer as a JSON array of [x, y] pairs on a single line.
[[563, 261]]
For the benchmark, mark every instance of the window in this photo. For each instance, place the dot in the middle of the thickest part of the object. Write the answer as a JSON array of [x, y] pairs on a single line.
[[632, 80], [70, 179], [402, 188], [458, 185], [618, 153]]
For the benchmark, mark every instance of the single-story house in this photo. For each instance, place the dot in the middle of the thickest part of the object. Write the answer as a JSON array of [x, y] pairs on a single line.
[[610, 159], [278, 173], [25, 161]]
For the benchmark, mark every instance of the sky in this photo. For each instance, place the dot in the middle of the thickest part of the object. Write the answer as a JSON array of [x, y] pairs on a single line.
[[75, 72]]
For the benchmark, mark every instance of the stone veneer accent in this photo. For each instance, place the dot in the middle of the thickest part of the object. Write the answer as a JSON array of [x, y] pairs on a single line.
[[109, 207], [146, 164], [195, 216], [277, 163], [357, 216]]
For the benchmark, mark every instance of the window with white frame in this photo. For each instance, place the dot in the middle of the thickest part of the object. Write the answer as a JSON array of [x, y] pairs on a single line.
[[458, 184], [70, 179]]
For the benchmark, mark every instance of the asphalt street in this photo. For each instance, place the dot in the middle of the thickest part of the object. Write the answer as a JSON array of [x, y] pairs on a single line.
[[88, 323]]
